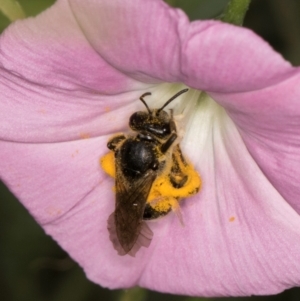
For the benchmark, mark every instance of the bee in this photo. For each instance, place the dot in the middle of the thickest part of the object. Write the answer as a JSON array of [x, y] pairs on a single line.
[[151, 176]]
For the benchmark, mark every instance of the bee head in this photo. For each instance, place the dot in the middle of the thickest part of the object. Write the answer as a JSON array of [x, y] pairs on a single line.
[[153, 122], [156, 121]]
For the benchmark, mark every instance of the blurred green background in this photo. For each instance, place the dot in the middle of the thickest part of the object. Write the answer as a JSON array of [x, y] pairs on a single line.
[[33, 267]]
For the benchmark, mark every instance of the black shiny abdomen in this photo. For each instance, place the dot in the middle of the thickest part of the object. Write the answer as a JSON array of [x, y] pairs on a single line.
[[137, 156]]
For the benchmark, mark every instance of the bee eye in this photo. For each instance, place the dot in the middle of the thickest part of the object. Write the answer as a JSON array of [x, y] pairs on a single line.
[[163, 115], [137, 120]]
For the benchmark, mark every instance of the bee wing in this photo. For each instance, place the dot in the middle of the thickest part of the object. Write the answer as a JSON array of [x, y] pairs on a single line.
[[127, 230]]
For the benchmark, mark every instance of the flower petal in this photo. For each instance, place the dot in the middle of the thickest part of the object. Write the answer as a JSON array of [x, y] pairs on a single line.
[[236, 234], [147, 39], [123, 32], [49, 177], [240, 236], [54, 86], [269, 122], [63, 187]]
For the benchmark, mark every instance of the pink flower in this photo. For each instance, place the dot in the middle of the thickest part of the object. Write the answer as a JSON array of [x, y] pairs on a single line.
[[71, 78]]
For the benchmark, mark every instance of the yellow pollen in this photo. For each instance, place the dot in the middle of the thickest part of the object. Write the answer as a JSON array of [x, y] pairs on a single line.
[[163, 195], [84, 135], [107, 163], [232, 219]]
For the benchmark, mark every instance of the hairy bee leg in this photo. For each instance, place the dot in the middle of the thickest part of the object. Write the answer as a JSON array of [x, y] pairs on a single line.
[[165, 204], [107, 162], [177, 177], [113, 143], [182, 176], [177, 210], [165, 146], [179, 155], [178, 180]]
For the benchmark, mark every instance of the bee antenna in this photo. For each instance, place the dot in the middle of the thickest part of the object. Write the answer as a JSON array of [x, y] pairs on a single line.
[[143, 101], [171, 99]]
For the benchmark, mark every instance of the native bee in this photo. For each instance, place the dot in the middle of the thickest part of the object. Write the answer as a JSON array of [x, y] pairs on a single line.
[[151, 175]]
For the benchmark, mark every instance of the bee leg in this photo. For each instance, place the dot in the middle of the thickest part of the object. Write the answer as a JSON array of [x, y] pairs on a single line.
[[177, 177], [176, 209], [150, 213], [107, 163], [113, 143], [165, 204], [146, 136], [182, 177], [165, 146]]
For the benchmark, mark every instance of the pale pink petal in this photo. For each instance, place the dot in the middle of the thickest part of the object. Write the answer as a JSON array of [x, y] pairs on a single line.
[[235, 238], [64, 188], [241, 236], [147, 39], [54, 85], [269, 122]]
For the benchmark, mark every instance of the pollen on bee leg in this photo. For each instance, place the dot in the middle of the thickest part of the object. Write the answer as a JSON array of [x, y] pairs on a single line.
[[107, 163], [165, 203], [162, 186]]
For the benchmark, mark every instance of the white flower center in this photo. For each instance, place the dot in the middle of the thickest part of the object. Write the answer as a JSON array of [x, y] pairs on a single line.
[[198, 117]]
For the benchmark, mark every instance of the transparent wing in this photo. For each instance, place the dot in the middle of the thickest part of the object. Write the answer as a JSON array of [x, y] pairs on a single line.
[[128, 232]]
